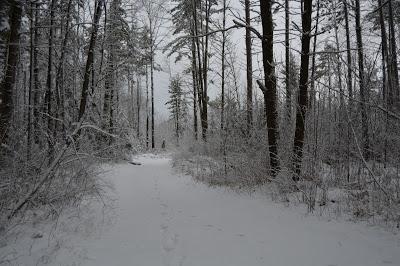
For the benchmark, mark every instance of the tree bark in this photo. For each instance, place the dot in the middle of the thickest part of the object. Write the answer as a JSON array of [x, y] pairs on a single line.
[[363, 88], [195, 85], [348, 51], [393, 51], [306, 14], [36, 84], [249, 70], [60, 68], [287, 63], [204, 113], [387, 83], [90, 59], [223, 66], [147, 108], [31, 67], [138, 102], [8, 82], [270, 94], [153, 145], [49, 82], [312, 89]]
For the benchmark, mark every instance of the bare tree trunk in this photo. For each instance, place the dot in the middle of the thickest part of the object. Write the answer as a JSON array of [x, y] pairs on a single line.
[[108, 95], [349, 82], [8, 82], [270, 94], [223, 66], [348, 50], [36, 85], [393, 52], [249, 70], [147, 108], [306, 14], [339, 74], [31, 67], [90, 59], [152, 98], [138, 102], [287, 62], [204, 114], [49, 82], [363, 88], [60, 68], [195, 85], [312, 89], [112, 103], [387, 84], [200, 90]]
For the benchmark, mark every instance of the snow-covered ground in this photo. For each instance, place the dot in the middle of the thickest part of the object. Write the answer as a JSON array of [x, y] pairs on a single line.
[[164, 218]]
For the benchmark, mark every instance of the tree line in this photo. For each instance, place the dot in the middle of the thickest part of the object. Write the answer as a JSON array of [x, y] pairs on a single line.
[[79, 80]]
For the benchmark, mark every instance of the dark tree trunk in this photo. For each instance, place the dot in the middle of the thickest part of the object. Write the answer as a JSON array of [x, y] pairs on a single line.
[[200, 79], [363, 88], [8, 82], [287, 63], [312, 89], [31, 67], [60, 68], [49, 82], [249, 70], [387, 91], [90, 59], [108, 94], [306, 14], [195, 89], [153, 145], [393, 51], [36, 85], [147, 107], [348, 48], [270, 94], [204, 113], [138, 102], [223, 67], [339, 74]]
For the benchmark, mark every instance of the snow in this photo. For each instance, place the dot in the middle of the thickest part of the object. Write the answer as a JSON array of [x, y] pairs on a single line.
[[162, 217]]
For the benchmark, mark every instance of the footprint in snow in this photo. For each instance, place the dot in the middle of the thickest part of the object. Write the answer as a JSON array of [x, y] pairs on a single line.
[[170, 243], [164, 227]]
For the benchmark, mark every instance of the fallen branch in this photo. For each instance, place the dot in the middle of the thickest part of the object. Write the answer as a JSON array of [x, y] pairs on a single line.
[[47, 174]]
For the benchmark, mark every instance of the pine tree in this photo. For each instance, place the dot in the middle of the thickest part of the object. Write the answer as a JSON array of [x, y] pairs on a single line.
[[177, 105]]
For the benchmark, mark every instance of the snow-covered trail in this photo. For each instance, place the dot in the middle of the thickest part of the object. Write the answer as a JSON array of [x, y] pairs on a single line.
[[166, 219]]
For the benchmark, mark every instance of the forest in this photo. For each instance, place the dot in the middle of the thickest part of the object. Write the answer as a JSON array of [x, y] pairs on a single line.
[[301, 96]]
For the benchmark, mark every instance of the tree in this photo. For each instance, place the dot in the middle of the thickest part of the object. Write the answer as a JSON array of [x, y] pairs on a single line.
[[223, 64], [287, 62], [90, 58], [306, 12], [249, 68], [393, 51], [177, 105], [8, 82], [49, 80], [155, 13], [362, 84], [269, 88]]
